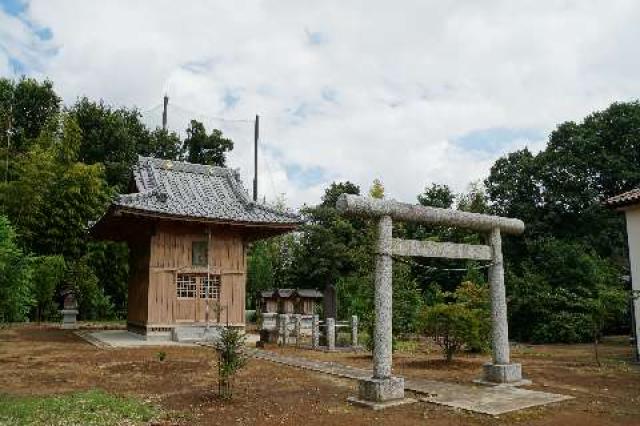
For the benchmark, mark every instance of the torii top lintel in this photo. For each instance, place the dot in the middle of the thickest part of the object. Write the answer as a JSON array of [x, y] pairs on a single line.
[[372, 207]]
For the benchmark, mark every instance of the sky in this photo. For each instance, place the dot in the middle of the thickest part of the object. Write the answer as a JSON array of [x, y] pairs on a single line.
[[410, 92]]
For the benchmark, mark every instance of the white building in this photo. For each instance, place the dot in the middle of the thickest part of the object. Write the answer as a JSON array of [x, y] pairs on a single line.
[[629, 203]]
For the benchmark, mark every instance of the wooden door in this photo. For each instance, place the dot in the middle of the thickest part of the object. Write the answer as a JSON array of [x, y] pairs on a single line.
[[208, 293], [186, 301]]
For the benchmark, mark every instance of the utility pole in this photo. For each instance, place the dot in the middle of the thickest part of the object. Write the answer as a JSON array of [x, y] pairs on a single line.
[[255, 159], [164, 112]]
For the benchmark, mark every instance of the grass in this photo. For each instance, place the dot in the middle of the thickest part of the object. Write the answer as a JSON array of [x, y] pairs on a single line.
[[94, 407]]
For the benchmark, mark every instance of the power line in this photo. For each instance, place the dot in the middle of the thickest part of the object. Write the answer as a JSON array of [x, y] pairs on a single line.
[[211, 117], [266, 162]]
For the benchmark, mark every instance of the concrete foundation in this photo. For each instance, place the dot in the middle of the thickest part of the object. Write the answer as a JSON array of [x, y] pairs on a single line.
[[381, 390], [503, 374], [378, 394]]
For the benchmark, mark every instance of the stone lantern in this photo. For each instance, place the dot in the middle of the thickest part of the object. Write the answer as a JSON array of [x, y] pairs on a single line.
[[69, 310]]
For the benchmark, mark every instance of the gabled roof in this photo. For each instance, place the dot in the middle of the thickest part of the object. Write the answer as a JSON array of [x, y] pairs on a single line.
[[286, 293], [624, 199], [194, 191]]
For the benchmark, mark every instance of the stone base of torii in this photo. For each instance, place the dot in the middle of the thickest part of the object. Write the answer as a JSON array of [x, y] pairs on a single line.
[[382, 389]]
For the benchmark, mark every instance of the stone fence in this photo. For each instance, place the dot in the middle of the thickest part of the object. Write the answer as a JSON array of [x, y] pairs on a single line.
[[286, 329]]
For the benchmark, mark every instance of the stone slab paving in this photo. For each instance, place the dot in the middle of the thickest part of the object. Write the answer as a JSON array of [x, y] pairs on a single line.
[[493, 400], [122, 339]]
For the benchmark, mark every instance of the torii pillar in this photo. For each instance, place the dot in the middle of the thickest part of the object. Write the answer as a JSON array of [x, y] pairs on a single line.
[[383, 389]]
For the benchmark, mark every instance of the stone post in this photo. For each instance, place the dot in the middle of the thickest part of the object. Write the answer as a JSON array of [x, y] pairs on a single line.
[[354, 331], [382, 390], [315, 331], [501, 370], [330, 324], [283, 328], [298, 328], [285, 336], [382, 334]]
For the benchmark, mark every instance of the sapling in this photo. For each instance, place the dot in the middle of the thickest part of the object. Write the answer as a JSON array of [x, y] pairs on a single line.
[[231, 358]]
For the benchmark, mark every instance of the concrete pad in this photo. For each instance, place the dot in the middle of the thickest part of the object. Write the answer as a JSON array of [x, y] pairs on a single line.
[[380, 405], [123, 339], [493, 400], [523, 382]]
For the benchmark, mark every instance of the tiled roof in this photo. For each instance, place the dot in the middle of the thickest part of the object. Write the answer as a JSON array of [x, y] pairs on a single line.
[[625, 199], [175, 188], [285, 293]]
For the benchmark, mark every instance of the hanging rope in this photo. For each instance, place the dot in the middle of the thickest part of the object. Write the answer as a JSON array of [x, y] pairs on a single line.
[[434, 268], [429, 269]]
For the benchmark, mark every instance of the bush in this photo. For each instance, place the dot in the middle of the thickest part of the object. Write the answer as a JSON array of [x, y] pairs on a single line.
[[92, 302], [460, 320]]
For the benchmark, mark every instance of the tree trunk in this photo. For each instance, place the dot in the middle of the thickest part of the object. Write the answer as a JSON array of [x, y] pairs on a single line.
[[595, 349], [450, 354]]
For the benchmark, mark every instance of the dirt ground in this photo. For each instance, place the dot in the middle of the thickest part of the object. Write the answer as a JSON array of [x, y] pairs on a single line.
[[43, 360]]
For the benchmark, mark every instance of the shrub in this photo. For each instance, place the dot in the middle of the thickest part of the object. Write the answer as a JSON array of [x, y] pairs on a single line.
[[459, 320], [231, 358]]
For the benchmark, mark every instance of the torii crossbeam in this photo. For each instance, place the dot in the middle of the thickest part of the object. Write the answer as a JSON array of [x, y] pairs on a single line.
[[383, 389]]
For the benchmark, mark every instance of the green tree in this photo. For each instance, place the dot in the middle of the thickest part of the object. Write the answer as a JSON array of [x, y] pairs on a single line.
[[605, 306], [377, 189], [47, 277], [92, 302], [329, 245], [407, 300], [231, 359], [113, 137], [335, 190], [551, 292], [558, 193], [16, 288], [26, 106], [163, 144], [437, 196], [475, 200], [109, 262], [458, 320], [203, 148], [54, 196], [259, 271]]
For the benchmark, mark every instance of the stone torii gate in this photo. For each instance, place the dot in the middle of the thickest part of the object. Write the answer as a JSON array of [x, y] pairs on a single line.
[[383, 389]]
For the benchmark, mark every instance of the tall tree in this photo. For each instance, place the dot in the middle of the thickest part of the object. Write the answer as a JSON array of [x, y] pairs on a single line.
[[55, 196], [113, 137], [377, 189], [203, 148], [559, 193], [25, 107], [16, 288], [328, 241]]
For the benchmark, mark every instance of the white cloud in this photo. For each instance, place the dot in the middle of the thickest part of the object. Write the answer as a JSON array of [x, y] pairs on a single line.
[[357, 89]]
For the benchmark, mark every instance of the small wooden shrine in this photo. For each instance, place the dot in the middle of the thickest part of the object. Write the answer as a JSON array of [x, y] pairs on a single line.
[[187, 227]]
